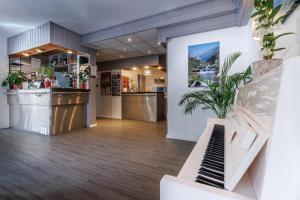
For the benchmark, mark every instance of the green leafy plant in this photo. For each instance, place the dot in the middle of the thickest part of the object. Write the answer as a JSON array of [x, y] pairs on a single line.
[[14, 78], [84, 75], [266, 21], [46, 72], [219, 95]]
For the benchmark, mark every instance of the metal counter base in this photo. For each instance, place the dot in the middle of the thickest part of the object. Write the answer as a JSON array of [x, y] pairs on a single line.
[[143, 106], [47, 111]]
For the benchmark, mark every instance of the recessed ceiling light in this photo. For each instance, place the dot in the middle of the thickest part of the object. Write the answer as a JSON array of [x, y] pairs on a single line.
[[134, 68], [147, 67], [39, 50], [129, 39], [69, 51], [147, 72], [158, 43], [25, 54], [149, 52]]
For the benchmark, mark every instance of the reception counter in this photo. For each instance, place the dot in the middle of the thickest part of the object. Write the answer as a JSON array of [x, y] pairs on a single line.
[[145, 106], [48, 111]]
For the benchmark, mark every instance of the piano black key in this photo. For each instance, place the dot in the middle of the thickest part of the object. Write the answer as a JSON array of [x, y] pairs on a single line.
[[212, 158], [208, 183], [215, 162], [215, 151], [211, 181], [212, 170], [211, 175], [215, 155], [212, 167]]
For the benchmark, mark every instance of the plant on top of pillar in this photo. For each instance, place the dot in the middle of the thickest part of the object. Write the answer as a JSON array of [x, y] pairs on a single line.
[[267, 20]]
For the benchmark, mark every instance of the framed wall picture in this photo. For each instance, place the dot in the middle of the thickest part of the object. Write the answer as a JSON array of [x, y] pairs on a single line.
[[203, 64]]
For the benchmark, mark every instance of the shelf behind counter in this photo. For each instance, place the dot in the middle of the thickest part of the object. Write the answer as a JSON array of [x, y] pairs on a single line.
[[48, 111]]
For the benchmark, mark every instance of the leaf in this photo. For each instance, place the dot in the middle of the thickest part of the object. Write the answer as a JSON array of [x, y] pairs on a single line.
[[275, 11], [269, 4], [278, 20], [228, 62], [279, 49], [283, 34], [257, 13]]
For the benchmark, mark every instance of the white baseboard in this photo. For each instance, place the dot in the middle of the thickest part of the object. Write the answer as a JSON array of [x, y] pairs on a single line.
[[92, 125], [176, 137]]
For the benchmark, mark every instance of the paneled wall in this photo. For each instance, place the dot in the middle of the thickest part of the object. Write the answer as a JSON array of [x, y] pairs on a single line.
[[4, 110], [45, 34], [29, 39]]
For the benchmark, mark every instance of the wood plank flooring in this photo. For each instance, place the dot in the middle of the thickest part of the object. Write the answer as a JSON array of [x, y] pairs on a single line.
[[118, 160]]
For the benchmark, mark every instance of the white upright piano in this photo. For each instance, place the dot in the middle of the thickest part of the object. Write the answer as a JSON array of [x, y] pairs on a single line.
[[252, 154]]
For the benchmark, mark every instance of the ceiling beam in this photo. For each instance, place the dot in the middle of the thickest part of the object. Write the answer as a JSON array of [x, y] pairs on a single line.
[[221, 22], [245, 8], [187, 14]]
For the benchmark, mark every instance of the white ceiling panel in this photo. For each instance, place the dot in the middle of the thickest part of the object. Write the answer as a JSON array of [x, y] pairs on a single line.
[[133, 39], [147, 35], [112, 43], [142, 46], [120, 48], [154, 43]]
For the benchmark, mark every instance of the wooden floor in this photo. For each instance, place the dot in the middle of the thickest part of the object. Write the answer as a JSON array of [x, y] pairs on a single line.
[[118, 160]]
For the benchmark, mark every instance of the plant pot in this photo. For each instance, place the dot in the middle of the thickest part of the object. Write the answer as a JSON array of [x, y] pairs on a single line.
[[17, 86], [264, 66], [47, 83], [82, 85]]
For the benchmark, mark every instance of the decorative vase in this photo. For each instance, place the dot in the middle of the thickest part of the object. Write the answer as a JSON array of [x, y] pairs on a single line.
[[82, 85], [264, 66]]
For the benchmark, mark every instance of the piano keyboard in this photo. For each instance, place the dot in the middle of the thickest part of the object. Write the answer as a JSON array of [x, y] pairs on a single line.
[[211, 171]]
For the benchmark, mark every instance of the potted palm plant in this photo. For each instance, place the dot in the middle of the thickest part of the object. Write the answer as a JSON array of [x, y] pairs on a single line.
[[219, 95], [267, 20], [14, 80], [47, 73]]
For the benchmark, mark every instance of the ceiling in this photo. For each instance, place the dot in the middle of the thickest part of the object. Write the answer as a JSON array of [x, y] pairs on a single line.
[[81, 16], [133, 45]]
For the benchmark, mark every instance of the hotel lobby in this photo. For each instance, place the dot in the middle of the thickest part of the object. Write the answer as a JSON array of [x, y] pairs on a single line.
[[136, 100]]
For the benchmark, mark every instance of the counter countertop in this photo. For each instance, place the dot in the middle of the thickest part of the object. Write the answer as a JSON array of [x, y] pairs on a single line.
[[46, 90], [141, 93]]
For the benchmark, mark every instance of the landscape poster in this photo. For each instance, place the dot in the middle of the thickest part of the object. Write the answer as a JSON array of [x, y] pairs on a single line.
[[204, 64]]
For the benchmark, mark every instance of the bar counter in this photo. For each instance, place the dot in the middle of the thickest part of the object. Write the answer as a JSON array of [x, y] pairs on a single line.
[[48, 111], [145, 106]]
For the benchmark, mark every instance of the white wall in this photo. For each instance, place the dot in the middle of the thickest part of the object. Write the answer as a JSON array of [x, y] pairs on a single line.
[[108, 106], [4, 110], [231, 40]]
